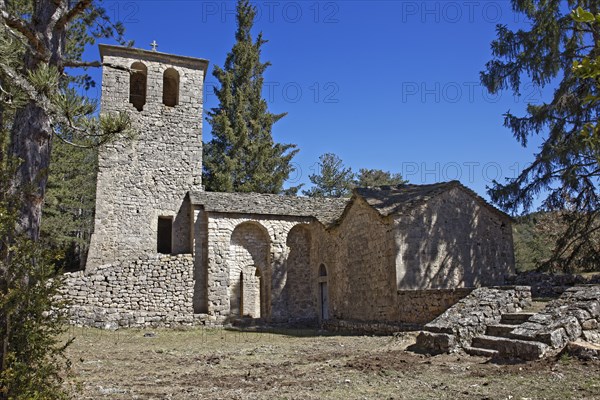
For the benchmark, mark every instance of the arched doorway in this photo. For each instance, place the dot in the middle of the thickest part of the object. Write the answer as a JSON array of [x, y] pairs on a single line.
[[248, 271], [323, 293]]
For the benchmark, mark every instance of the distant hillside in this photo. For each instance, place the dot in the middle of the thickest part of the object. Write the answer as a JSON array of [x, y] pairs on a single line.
[[535, 236], [533, 244]]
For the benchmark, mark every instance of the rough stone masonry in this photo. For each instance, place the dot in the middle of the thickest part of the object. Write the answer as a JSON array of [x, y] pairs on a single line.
[[146, 178], [165, 252]]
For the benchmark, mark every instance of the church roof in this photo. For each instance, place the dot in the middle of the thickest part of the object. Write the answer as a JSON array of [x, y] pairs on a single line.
[[388, 200], [325, 210]]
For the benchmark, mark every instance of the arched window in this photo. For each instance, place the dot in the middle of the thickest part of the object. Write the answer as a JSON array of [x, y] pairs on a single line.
[[322, 270], [137, 85], [171, 87]]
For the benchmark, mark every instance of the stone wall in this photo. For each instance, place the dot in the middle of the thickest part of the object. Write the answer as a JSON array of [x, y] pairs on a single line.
[[575, 314], [423, 306], [359, 256], [550, 285], [147, 177], [262, 242], [297, 301], [151, 292], [248, 266], [415, 308], [451, 241], [458, 325]]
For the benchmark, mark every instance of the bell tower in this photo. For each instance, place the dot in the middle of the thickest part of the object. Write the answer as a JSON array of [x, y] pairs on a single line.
[[141, 206]]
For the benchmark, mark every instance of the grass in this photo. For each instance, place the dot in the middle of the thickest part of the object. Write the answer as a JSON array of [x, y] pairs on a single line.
[[296, 364]]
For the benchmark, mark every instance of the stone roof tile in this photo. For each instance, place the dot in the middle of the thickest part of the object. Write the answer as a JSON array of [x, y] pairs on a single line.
[[325, 210], [399, 199]]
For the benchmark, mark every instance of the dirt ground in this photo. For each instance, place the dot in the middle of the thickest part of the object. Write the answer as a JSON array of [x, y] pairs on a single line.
[[295, 364]]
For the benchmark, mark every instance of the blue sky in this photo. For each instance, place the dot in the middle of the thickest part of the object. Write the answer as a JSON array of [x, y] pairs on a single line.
[[392, 85]]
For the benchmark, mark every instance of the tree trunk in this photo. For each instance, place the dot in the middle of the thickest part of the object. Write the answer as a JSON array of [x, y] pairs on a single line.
[[31, 144], [30, 141], [31, 134]]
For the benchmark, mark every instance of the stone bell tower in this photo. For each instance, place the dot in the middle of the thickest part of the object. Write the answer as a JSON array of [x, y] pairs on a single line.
[[141, 210]]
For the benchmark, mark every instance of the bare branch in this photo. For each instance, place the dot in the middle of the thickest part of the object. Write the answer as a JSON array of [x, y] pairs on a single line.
[[87, 64], [81, 64], [72, 13]]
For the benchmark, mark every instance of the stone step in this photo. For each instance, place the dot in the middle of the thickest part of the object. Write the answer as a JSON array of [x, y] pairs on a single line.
[[435, 342], [515, 318], [536, 306], [501, 330], [478, 351], [511, 348]]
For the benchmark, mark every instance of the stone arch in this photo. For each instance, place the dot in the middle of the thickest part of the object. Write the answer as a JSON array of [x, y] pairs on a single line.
[[138, 82], [296, 301], [171, 87], [248, 265]]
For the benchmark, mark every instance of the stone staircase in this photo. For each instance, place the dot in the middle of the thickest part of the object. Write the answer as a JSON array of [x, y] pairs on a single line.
[[498, 342]]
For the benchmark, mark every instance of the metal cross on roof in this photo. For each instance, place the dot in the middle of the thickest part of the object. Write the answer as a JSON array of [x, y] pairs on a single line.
[[154, 45]]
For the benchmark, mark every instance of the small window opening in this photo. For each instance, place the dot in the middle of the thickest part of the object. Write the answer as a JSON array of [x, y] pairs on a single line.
[[137, 85], [322, 270], [171, 87], [165, 231]]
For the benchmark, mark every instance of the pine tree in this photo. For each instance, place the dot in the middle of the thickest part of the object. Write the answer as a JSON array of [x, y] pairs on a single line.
[[565, 170], [242, 157], [377, 177], [68, 214], [39, 105], [38, 41], [332, 180]]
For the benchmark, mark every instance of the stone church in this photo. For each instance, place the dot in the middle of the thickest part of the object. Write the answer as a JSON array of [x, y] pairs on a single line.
[[165, 252]]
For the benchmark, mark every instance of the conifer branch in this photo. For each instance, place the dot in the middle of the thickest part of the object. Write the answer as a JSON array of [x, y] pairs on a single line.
[[62, 139], [23, 28], [77, 9], [40, 99], [56, 115]]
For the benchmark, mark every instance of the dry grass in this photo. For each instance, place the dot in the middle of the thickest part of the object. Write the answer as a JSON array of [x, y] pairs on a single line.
[[221, 364]]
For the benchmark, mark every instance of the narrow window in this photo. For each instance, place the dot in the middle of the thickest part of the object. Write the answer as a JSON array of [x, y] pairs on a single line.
[[260, 309], [323, 293], [137, 85], [171, 87], [165, 230], [241, 305]]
